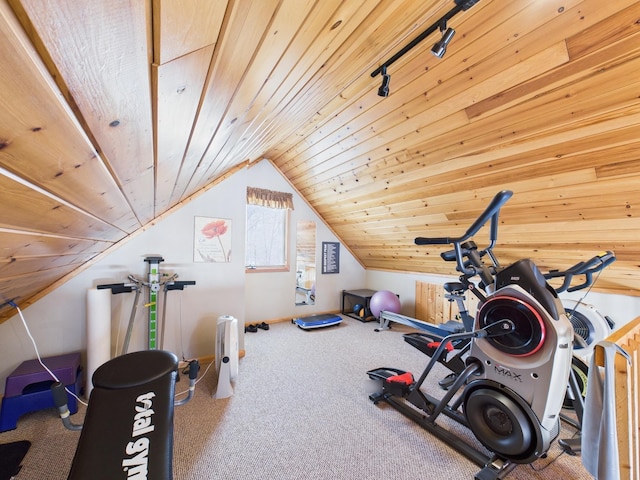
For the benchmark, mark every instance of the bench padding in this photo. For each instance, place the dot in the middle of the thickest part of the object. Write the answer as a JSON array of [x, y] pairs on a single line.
[[128, 428]]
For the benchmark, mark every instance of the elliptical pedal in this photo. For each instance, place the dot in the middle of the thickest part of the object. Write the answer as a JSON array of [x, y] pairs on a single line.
[[427, 344], [497, 468], [395, 382], [383, 373]]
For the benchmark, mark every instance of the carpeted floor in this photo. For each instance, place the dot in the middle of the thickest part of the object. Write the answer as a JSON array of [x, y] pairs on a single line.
[[300, 411]]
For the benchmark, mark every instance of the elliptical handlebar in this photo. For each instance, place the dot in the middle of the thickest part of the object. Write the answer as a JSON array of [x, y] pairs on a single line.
[[588, 268], [468, 257], [490, 213]]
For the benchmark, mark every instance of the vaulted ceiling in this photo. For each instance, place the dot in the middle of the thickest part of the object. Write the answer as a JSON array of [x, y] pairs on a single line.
[[114, 112]]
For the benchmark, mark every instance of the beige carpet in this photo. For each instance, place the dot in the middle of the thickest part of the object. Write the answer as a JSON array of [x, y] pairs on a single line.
[[300, 411]]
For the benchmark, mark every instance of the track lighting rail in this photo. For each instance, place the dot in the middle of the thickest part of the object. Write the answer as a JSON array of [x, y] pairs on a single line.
[[460, 6]]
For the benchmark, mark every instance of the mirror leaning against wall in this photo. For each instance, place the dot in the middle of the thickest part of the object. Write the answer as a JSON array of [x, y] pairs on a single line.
[[306, 262]]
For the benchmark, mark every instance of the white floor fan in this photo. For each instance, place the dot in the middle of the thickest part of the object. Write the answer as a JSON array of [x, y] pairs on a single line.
[[588, 324], [226, 355], [590, 327]]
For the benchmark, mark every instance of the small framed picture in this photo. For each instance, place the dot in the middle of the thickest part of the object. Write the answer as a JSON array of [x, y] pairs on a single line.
[[330, 257], [212, 240]]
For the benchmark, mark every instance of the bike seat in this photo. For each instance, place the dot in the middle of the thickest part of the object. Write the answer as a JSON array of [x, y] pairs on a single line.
[[454, 287]]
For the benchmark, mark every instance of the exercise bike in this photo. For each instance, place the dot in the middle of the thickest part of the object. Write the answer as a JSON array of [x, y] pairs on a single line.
[[512, 369]]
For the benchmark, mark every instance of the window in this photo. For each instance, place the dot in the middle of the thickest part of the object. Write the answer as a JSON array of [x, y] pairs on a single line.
[[267, 229]]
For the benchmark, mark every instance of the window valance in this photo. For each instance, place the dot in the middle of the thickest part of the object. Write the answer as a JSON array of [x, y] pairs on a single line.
[[269, 198]]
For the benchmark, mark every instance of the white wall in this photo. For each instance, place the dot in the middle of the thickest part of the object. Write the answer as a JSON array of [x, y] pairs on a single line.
[[272, 295], [58, 320]]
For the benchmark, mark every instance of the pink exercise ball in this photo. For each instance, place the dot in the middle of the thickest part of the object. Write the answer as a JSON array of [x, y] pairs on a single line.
[[384, 300]]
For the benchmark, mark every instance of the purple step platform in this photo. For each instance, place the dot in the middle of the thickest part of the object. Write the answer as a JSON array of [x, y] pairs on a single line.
[[27, 389]]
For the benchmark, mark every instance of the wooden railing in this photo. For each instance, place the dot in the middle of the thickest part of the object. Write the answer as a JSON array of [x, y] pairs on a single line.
[[627, 394]]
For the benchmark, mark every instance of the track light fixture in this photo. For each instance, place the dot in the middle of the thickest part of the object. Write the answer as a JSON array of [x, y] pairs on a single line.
[[383, 91], [439, 48]]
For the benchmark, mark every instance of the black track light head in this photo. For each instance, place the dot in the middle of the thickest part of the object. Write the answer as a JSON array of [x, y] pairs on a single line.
[[440, 47], [383, 91]]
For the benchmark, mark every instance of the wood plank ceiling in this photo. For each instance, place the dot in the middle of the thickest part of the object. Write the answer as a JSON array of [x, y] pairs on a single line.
[[114, 112]]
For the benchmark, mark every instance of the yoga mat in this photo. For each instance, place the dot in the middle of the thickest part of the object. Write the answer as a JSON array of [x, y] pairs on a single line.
[[11, 455], [98, 331]]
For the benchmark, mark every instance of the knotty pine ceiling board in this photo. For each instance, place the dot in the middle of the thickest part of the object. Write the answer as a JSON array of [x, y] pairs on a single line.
[[333, 34], [41, 140], [247, 24], [499, 64], [20, 266], [222, 151], [101, 52], [35, 211], [362, 98], [178, 88], [18, 243], [515, 150], [313, 68], [294, 65], [180, 28]]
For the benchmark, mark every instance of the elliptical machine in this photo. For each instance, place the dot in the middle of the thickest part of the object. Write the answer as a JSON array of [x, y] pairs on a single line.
[[510, 387]]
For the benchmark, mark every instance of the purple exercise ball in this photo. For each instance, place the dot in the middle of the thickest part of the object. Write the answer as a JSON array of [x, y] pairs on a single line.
[[384, 300]]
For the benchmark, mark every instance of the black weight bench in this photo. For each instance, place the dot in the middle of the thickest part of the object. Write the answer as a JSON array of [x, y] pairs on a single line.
[[128, 428]]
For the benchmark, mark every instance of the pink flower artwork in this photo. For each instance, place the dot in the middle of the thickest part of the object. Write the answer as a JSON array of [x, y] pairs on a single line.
[[212, 237], [214, 229]]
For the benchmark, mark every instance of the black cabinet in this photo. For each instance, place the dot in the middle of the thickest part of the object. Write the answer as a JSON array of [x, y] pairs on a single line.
[[355, 304]]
